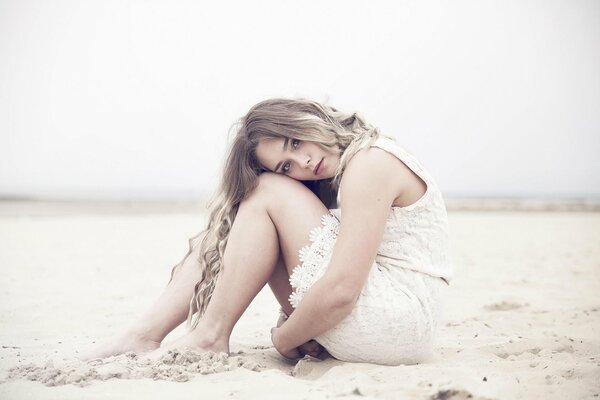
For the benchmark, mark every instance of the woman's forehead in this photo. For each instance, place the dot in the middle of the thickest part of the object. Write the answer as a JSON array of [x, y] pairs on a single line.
[[271, 145]]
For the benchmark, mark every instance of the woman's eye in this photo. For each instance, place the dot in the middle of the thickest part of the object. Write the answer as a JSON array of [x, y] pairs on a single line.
[[295, 143], [286, 167]]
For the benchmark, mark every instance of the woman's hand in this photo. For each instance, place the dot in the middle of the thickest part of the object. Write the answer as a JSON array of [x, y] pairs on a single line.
[[311, 348], [291, 354]]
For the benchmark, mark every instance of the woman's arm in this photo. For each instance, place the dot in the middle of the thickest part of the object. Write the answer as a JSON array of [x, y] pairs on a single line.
[[368, 189]]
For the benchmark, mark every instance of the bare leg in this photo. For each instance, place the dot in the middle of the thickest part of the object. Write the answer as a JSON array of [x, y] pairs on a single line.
[[281, 288], [277, 216], [280, 285]]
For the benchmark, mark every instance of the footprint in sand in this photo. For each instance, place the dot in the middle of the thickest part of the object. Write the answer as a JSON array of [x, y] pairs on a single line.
[[516, 349], [529, 349], [525, 354]]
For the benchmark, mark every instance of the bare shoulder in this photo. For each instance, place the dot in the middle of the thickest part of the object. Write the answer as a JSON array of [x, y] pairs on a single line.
[[373, 163], [376, 169], [375, 159], [372, 170]]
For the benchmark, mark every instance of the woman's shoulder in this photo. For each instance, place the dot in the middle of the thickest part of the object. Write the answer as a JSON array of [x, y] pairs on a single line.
[[381, 164], [373, 159], [368, 183], [378, 159], [371, 165]]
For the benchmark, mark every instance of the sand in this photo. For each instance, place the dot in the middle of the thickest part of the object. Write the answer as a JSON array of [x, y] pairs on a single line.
[[522, 316]]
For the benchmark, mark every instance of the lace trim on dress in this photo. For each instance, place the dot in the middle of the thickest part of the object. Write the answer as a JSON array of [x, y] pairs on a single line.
[[314, 257]]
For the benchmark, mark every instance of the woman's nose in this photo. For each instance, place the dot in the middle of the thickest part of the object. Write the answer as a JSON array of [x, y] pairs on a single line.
[[303, 161], [307, 162]]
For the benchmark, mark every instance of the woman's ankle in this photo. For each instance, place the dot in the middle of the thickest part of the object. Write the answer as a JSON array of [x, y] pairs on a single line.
[[210, 338], [142, 334]]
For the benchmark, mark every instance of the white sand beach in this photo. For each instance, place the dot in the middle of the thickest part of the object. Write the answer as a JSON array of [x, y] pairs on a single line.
[[522, 317]]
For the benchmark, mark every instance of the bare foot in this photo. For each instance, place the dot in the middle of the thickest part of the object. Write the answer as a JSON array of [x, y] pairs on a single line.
[[122, 344], [192, 342]]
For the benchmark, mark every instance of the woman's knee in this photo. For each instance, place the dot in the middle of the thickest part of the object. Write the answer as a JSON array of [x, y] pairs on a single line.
[[272, 180], [279, 193], [272, 185]]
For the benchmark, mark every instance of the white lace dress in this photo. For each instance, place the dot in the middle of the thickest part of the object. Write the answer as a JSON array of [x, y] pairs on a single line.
[[395, 318]]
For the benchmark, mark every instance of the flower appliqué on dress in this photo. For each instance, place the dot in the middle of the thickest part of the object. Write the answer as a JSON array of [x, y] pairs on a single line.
[[314, 257]]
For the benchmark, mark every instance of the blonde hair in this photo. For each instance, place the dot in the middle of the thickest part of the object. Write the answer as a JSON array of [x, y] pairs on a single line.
[[273, 118]]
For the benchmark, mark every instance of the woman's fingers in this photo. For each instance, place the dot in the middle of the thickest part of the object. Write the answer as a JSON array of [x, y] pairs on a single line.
[[280, 320], [311, 348], [291, 353]]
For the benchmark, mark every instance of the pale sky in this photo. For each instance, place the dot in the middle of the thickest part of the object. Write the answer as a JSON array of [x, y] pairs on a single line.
[[134, 99]]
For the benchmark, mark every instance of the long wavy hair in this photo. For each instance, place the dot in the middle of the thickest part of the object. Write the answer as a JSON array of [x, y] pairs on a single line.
[[300, 119]]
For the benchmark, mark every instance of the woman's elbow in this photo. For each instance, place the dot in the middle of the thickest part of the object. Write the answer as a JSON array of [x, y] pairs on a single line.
[[343, 297]]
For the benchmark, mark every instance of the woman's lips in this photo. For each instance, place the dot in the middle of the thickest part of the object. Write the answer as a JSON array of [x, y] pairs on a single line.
[[318, 167]]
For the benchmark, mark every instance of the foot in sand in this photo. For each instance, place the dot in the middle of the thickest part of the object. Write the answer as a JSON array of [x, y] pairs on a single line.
[[122, 344], [192, 342]]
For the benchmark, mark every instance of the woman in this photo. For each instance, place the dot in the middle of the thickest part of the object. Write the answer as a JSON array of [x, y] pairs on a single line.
[[365, 286]]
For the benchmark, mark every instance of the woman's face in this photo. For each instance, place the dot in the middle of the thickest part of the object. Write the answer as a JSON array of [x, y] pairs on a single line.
[[300, 160]]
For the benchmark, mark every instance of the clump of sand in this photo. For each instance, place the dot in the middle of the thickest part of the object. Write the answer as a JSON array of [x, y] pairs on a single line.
[[455, 394], [175, 365]]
